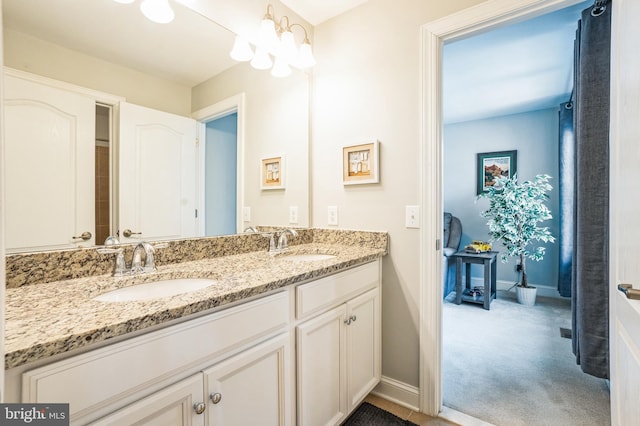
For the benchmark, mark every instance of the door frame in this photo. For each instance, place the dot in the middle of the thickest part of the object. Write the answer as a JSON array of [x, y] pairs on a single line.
[[482, 17], [220, 109]]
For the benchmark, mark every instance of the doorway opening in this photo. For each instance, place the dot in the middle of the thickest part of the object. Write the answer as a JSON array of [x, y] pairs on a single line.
[[220, 172], [478, 19]]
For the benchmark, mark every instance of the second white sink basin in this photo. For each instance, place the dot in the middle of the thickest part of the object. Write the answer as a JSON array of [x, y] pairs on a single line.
[[155, 290], [308, 257]]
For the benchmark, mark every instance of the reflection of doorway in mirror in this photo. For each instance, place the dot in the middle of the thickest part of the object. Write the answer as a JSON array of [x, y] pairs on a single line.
[[220, 185], [102, 174]]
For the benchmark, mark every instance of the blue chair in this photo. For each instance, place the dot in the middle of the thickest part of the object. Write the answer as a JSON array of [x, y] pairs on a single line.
[[450, 244]]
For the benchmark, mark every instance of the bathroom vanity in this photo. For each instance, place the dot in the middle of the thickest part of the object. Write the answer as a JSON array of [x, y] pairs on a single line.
[[286, 339]]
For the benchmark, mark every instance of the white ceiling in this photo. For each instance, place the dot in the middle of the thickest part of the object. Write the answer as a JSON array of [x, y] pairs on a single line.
[[522, 67], [189, 50], [315, 11]]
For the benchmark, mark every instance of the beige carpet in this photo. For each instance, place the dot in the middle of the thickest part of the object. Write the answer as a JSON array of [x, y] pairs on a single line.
[[509, 366]]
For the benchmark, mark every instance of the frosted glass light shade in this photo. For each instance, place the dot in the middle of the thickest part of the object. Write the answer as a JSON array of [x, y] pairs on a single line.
[[261, 59], [287, 48], [157, 11], [280, 68], [305, 56], [241, 50], [267, 35]]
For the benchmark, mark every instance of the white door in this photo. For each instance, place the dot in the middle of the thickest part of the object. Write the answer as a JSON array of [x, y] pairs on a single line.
[[321, 352], [157, 174], [174, 405], [49, 166], [363, 346], [253, 387], [625, 211]]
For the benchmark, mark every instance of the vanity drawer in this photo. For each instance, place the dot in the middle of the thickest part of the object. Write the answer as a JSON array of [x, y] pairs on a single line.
[[108, 375], [330, 291]]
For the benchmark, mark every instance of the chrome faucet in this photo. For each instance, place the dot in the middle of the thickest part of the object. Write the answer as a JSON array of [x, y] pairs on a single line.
[[283, 242], [149, 262], [251, 229]]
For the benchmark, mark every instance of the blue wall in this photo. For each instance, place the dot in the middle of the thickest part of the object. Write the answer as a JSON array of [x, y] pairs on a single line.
[[220, 175], [535, 136]]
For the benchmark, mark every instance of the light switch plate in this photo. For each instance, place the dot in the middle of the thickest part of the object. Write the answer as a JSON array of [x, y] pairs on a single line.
[[246, 214], [332, 215], [293, 215], [412, 217]]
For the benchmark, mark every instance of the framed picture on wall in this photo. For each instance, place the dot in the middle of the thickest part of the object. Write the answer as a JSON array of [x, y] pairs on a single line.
[[360, 164], [494, 164], [272, 173]]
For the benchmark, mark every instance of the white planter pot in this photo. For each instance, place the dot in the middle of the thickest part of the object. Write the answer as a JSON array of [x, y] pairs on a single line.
[[526, 295]]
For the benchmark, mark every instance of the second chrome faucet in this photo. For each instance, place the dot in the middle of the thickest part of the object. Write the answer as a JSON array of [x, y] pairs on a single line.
[[283, 242]]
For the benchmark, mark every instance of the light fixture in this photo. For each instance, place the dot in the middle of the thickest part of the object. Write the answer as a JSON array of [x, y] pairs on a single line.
[[157, 11], [275, 37]]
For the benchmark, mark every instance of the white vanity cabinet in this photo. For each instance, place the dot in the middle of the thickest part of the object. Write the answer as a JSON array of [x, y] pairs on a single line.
[[338, 346], [246, 389], [158, 377], [306, 355]]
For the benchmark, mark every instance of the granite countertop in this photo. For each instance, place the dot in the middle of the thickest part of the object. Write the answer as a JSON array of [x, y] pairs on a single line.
[[52, 318]]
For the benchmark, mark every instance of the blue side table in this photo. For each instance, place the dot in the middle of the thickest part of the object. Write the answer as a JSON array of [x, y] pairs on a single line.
[[488, 260]]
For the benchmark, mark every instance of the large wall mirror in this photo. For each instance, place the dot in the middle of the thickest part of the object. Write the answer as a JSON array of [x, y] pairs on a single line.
[[181, 69]]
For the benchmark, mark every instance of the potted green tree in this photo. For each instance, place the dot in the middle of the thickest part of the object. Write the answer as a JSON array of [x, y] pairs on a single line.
[[515, 210]]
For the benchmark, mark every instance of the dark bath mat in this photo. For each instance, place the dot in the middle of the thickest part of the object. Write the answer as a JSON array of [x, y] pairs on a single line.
[[370, 415]]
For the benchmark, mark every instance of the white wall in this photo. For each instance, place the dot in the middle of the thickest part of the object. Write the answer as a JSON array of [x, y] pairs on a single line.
[[277, 123], [367, 86], [535, 136], [40, 57]]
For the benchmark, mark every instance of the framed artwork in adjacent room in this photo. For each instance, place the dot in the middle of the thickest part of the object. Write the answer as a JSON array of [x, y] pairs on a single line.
[[494, 164]]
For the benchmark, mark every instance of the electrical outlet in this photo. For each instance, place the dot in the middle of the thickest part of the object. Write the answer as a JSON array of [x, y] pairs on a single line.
[[293, 215], [412, 217], [332, 215], [246, 214]]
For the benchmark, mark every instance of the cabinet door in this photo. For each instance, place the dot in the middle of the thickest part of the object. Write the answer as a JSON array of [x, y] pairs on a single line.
[[253, 387], [363, 346], [158, 181], [171, 406], [321, 350], [49, 166]]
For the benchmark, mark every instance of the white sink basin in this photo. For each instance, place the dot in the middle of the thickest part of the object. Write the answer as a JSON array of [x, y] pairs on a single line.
[[155, 290], [311, 257]]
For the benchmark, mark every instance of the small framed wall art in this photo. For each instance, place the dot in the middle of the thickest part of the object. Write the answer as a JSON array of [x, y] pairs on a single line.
[[272, 173], [494, 164], [360, 164]]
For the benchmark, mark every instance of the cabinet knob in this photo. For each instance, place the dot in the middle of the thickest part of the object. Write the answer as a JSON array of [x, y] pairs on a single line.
[[349, 320], [199, 407], [216, 397], [86, 235]]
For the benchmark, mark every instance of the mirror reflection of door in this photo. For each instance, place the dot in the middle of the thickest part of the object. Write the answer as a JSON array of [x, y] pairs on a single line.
[[220, 182], [48, 165]]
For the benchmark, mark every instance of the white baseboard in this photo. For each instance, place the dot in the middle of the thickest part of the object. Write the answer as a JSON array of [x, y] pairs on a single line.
[[409, 396], [401, 393], [543, 290]]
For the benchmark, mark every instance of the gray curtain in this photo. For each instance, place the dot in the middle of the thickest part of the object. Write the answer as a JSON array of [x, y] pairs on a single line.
[[566, 186], [590, 288]]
